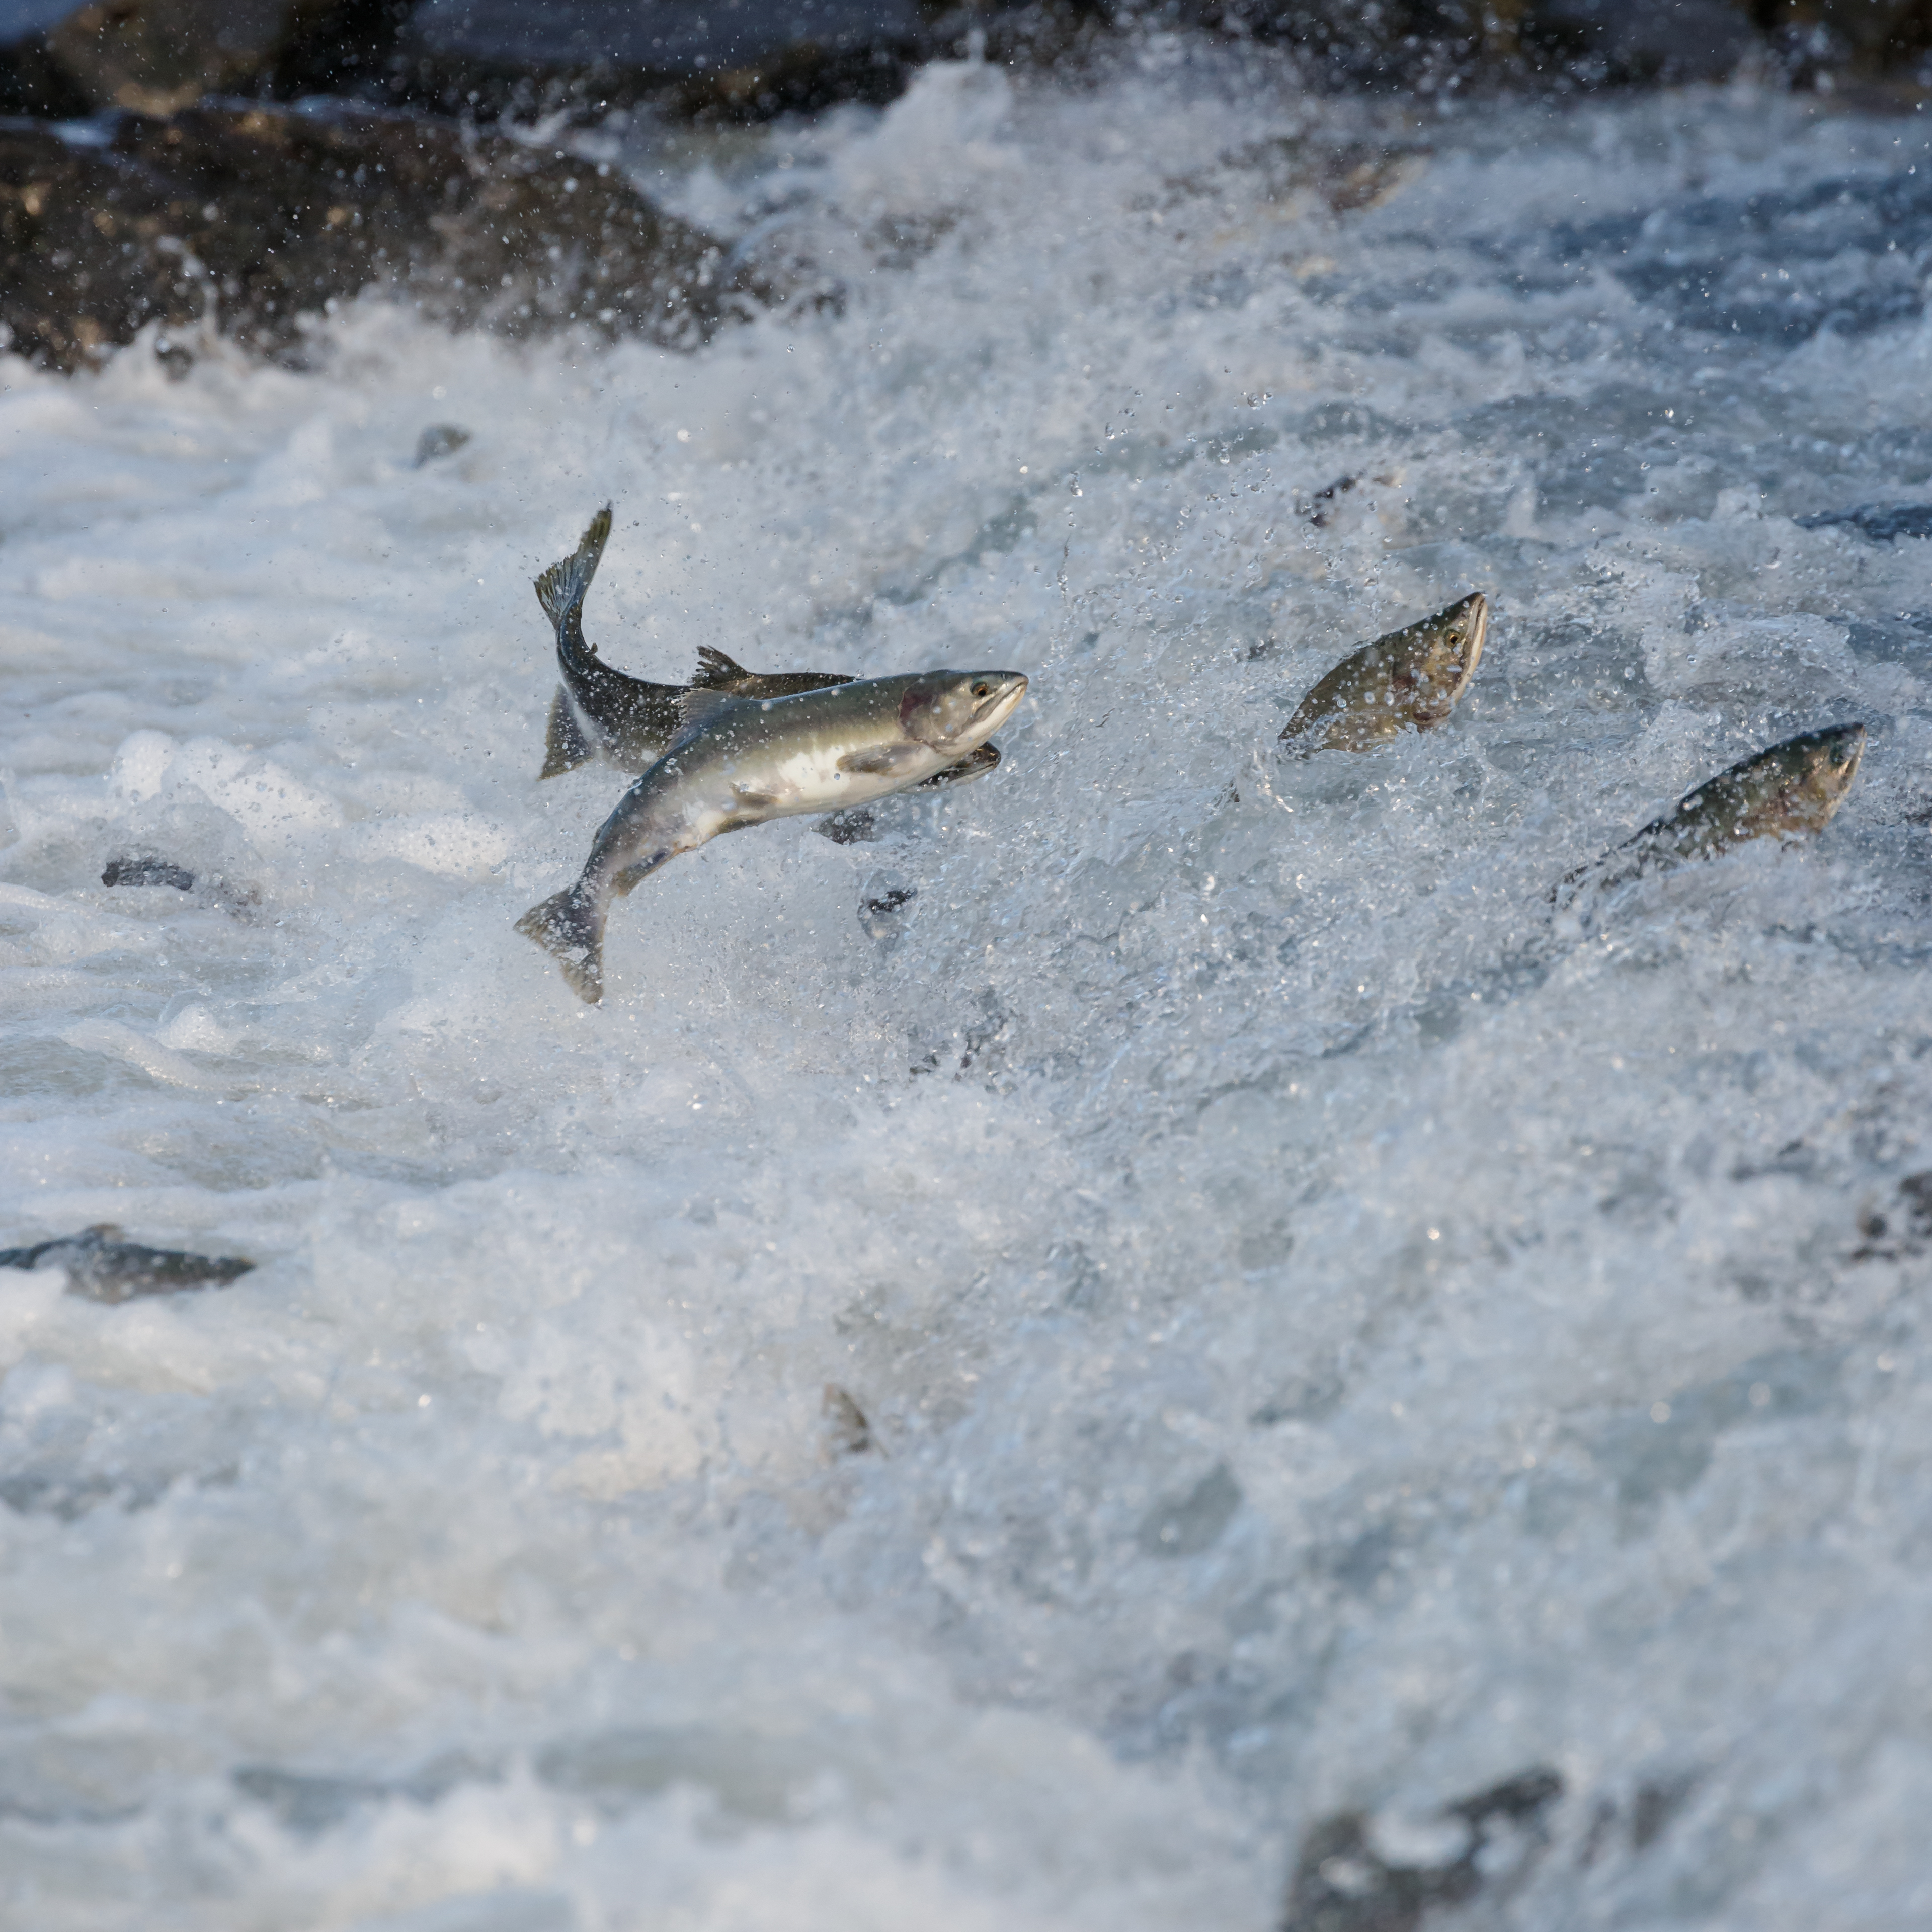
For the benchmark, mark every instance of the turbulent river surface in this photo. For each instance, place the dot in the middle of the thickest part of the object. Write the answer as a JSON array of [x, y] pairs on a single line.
[[1333, 1337]]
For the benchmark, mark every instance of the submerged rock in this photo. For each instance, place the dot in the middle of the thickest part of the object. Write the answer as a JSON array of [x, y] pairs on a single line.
[[848, 1430], [1350, 1877], [147, 872], [1186, 1525], [101, 1267], [1898, 1231], [878, 912], [256, 220], [1881, 522], [860, 826], [439, 440]]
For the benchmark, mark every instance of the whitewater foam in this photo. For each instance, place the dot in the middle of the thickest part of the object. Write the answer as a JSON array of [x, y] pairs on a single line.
[[1334, 1341]]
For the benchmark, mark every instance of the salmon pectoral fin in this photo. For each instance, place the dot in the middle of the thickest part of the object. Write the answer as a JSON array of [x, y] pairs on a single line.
[[565, 746], [884, 761]]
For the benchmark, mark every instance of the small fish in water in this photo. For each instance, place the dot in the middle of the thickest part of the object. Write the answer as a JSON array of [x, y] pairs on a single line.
[[627, 721], [439, 439], [739, 761], [1793, 787], [103, 1267], [1410, 679]]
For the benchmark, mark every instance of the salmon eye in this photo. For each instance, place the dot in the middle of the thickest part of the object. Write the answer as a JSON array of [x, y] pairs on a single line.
[[982, 689]]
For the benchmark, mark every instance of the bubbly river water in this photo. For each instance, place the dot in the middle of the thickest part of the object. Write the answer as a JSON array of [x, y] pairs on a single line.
[[1331, 1339]]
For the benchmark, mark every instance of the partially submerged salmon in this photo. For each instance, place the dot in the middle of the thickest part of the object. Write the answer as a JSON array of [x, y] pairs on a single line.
[[600, 712], [1790, 790], [101, 1267], [739, 761], [1408, 680]]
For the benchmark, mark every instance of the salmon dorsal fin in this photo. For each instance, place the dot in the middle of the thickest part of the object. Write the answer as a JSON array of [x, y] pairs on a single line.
[[716, 671], [696, 709]]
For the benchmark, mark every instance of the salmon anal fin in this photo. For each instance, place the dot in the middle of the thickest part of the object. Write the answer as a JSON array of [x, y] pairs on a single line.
[[565, 745]]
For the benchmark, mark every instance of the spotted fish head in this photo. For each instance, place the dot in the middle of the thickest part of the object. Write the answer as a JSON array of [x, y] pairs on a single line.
[[1815, 770], [1791, 788], [1834, 759], [954, 710], [1445, 651]]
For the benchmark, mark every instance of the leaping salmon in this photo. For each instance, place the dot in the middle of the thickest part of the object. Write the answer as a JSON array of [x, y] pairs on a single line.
[[738, 761]]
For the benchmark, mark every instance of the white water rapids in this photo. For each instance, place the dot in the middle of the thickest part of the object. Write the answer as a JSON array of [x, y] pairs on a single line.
[[1331, 1341]]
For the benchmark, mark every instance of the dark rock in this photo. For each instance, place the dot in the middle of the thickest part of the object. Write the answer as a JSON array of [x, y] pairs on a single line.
[[147, 872], [439, 440], [1646, 39], [1342, 1884], [1816, 38], [1404, 42], [1427, 44], [761, 56], [1881, 522], [261, 218], [103, 1267], [155, 56], [30, 81]]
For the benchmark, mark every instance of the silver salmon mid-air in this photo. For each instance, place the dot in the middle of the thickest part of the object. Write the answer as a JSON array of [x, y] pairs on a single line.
[[1793, 787], [739, 761], [1408, 680], [598, 712]]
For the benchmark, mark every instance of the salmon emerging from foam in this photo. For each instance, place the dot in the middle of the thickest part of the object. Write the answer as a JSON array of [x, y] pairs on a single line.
[[1409, 680], [1791, 789]]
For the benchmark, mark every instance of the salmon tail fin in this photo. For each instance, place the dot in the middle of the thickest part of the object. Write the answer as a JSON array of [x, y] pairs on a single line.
[[569, 926], [565, 746], [560, 590], [716, 672]]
